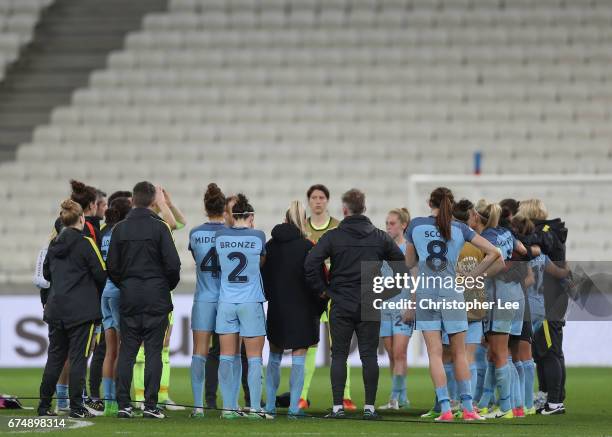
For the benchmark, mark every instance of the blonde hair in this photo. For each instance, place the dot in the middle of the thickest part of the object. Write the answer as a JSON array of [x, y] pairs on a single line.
[[533, 209], [488, 213], [296, 215], [403, 214], [70, 212]]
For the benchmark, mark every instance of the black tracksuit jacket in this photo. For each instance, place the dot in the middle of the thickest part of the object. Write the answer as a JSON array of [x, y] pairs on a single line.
[[144, 263]]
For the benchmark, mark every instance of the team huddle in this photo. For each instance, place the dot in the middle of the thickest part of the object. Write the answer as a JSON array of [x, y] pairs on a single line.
[[482, 362]]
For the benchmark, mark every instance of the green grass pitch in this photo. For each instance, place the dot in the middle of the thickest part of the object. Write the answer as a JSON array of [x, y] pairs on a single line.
[[588, 411]]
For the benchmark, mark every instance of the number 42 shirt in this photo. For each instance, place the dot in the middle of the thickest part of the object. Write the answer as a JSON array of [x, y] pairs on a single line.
[[239, 251]]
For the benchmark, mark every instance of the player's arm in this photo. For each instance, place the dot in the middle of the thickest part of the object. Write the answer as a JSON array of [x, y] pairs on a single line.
[[170, 258], [491, 255], [179, 218], [520, 248], [96, 264], [558, 272], [313, 265], [114, 260], [529, 280], [164, 210]]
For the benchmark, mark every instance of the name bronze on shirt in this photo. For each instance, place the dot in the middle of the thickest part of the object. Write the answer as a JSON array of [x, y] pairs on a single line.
[[237, 244]]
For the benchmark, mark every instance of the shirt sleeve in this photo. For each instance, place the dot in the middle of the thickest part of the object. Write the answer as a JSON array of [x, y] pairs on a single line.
[[468, 233], [262, 236], [408, 233], [546, 260]]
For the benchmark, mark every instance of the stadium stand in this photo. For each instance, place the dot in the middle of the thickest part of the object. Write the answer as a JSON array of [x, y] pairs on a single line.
[[269, 96], [17, 21]]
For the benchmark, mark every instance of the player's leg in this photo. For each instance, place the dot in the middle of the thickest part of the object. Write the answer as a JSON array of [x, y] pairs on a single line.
[[227, 326], [95, 371], [139, 386], [498, 344], [80, 341], [203, 316], [108, 372], [253, 330], [211, 372], [309, 369], [400, 367], [61, 389], [56, 359], [433, 343], [131, 341], [341, 329], [296, 380], [449, 369], [367, 343], [164, 387], [110, 323], [388, 345], [201, 340], [154, 336], [273, 377], [463, 375]]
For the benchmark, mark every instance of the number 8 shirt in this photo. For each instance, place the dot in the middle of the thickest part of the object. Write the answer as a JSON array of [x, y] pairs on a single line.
[[437, 261]]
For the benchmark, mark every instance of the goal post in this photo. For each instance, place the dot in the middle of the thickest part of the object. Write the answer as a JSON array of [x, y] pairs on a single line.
[[581, 200]]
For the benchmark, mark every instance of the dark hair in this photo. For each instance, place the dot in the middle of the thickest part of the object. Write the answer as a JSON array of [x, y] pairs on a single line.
[[70, 212], [214, 200], [522, 225], [354, 200], [99, 194], [117, 210], [443, 199], [144, 194], [242, 207], [509, 208], [117, 194], [82, 194], [461, 210], [319, 187]]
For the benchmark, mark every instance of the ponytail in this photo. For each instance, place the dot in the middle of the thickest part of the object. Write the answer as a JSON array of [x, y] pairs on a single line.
[[443, 199], [296, 215], [488, 213]]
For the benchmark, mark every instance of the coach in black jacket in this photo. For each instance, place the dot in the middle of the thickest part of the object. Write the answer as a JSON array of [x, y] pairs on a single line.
[[143, 262], [74, 267], [354, 241]]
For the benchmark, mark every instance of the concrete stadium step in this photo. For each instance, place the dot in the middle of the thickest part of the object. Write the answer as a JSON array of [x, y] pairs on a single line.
[[72, 39]]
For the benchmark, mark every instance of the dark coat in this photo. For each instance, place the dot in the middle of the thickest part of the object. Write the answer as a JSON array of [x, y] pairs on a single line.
[[143, 262], [77, 274], [294, 309], [355, 241]]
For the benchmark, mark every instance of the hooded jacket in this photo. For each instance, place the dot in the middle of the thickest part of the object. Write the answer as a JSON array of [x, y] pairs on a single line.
[[143, 263], [293, 308], [354, 241], [551, 236], [77, 274]]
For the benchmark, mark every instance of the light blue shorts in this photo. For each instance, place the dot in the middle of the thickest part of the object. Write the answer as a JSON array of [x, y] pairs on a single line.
[[247, 319], [391, 324], [444, 319], [203, 316], [110, 313], [506, 320], [472, 336]]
